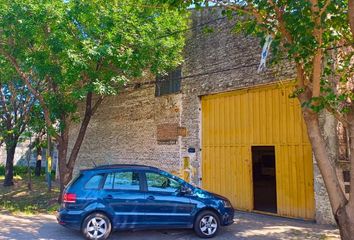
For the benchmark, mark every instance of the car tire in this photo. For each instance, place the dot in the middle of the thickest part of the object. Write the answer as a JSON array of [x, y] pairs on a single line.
[[206, 224], [96, 226]]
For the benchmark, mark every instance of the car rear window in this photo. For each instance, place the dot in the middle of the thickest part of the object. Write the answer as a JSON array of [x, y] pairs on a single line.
[[94, 182], [74, 180]]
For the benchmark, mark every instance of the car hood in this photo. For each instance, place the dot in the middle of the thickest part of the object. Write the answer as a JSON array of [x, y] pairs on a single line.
[[219, 196], [201, 193]]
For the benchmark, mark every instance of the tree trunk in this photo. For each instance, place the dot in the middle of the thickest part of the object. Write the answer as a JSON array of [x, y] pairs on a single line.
[[343, 210], [38, 169], [9, 168], [67, 176], [66, 167], [62, 152], [65, 172], [351, 15], [328, 172], [345, 220]]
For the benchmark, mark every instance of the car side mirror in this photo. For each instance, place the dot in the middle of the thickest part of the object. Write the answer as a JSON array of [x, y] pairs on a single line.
[[185, 190]]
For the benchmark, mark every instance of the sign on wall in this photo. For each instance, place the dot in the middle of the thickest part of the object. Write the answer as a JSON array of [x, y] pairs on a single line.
[[168, 133]]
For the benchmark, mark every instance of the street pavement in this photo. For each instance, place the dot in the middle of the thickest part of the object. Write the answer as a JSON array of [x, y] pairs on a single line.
[[246, 226]]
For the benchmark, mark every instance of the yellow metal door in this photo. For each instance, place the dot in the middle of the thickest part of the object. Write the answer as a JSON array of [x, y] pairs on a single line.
[[233, 122]]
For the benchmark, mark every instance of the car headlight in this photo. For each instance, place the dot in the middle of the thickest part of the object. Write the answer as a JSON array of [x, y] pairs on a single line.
[[227, 204]]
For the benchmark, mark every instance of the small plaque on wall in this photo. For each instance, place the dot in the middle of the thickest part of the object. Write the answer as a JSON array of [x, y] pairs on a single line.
[[167, 133]]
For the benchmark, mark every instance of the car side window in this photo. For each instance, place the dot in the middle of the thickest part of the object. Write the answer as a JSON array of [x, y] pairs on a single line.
[[94, 182], [159, 183], [126, 180], [108, 184]]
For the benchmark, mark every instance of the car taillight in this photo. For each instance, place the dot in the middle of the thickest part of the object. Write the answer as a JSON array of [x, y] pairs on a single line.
[[69, 198]]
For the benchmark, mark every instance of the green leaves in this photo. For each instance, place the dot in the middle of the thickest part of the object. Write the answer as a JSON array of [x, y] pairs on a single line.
[[72, 48], [16, 107]]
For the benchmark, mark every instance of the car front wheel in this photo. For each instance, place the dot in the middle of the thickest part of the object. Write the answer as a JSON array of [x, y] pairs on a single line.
[[206, 224], [96, 226]]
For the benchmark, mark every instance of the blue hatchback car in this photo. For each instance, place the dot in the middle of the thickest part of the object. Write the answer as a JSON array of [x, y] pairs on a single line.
[[120, 197]]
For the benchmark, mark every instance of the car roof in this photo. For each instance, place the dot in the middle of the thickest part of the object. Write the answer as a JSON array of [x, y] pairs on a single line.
[[121, 166]]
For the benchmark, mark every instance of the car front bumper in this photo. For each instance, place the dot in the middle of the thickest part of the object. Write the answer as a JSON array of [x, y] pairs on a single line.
[[228, 217]]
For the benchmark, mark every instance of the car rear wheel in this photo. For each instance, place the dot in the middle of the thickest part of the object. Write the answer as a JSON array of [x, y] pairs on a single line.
[[96, 226], [206, 224]]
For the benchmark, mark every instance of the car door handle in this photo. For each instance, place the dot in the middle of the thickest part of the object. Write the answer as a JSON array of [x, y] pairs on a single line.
[[150, 198], [108, 197]]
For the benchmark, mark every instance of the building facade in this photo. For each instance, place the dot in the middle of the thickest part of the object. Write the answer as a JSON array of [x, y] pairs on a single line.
[[219, 124]]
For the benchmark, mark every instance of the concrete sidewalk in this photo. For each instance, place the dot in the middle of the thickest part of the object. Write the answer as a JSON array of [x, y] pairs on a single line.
[[247, 226]]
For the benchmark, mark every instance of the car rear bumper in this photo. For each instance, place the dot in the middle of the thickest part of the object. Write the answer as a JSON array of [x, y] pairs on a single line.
[[70, 219]]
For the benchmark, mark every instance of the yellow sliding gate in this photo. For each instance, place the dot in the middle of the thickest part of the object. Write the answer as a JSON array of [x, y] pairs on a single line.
[[233, 122]]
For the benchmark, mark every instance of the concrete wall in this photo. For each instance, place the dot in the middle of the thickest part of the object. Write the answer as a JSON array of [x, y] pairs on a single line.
[[21, 156]]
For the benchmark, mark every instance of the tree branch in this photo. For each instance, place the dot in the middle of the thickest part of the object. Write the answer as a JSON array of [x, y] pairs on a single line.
[[324, 8], [27, 81], [317, 58], [13, 95], [316, 73], [279, 16], [97, 104], [300, 75], [3, 102], [351, 16], [249, 9], [82, 131], [314, 7]]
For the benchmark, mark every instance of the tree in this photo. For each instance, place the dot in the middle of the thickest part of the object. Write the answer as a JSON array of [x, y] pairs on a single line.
[[317, 36], [16, 104], [83, 51], [37, 129], [38, 146]]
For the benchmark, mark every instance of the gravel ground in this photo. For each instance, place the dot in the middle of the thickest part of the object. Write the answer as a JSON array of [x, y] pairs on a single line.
[[246, 226]]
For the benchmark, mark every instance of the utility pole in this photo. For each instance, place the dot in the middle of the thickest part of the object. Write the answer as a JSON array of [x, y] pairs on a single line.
[[49, 162], [29, 184]]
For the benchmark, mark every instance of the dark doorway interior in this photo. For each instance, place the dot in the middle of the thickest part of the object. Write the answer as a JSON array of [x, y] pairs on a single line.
[[264, 179]]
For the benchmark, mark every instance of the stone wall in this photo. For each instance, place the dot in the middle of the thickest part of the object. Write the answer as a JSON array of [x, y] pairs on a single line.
[[124, 130]]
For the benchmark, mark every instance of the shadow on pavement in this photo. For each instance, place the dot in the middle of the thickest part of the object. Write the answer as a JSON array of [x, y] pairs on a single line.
[[247, 226]]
